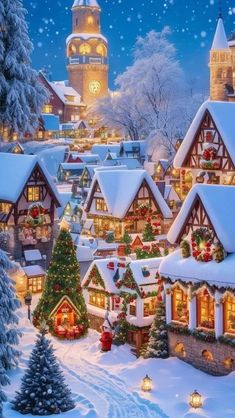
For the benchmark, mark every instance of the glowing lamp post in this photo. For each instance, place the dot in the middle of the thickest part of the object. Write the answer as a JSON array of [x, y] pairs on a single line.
[[28, 301], [195, 400], [147, 385]]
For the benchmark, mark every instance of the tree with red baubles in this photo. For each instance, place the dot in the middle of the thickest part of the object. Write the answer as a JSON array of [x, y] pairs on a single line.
[[63, 281]]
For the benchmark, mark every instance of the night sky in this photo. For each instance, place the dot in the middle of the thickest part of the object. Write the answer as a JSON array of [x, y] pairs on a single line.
[[192, 23]]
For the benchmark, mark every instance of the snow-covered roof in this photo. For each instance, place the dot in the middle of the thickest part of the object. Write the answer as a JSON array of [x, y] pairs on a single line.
[[32, 255], [170, 193], [120, 187], [137, 266], [61, 90], [128, 146], [64, 200], [223, 114], [84, 253], [130, 163], [219, 203], [10, 146], [87, 158], [164, 163], [220, 39], [72, 166], [189, 269], [86, 36], [102, 150], [16, 170], [34, 271], [85, 3], [106, 273]]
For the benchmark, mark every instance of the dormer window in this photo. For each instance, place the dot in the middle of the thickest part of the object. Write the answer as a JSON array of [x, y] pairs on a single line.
[[69, 98]]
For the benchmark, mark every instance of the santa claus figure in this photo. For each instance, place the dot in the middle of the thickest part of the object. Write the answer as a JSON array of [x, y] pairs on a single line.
[[106, 336]]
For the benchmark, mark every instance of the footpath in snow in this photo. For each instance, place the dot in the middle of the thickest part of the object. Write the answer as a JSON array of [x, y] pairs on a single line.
[[107, 385]]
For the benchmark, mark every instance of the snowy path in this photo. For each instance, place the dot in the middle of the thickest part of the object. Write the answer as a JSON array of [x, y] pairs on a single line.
[[106, 388]]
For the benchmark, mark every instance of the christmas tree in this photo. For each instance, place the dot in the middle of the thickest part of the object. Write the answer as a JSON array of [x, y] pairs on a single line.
[[22, 95], [148, 234], [63, 280], [158, 341], [126, 239], [43, 390]]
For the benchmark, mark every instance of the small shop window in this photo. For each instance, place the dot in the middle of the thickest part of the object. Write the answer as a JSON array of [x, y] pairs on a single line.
[[180, 305], [132, 309], [150, 306], [229, 314], [34, 194], [47, 108], [206, 316], [180, 350], [228, 363], [5, 207], [97, 299], [35, 284], [207, 355], [101, 205]]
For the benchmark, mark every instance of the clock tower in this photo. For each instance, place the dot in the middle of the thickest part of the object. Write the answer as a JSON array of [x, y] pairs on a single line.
[[87, 52]]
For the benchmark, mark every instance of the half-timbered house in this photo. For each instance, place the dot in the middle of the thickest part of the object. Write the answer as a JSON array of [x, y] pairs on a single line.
[[122, 287], [28, 202], [122, 200], [207, 154], [200, 281]]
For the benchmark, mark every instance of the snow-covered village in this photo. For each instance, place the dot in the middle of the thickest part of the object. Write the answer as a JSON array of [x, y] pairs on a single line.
[[117, 208]]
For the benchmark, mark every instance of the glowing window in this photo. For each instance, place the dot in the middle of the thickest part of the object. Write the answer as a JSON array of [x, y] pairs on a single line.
[[47, 108], [101, 205], [34, 194], [90, 20], [101, 50], [207, 355], [180, 350], [180, 308], [229, 314], [97, 299], [206, 316], [84, 49]]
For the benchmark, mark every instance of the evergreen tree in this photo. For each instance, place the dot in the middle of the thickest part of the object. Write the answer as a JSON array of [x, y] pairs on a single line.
[[22, 95], [4, 380], [158, 341], [9, 334], [121, 332], [43, 390], [148, 234], [63, 279], [126, 239]]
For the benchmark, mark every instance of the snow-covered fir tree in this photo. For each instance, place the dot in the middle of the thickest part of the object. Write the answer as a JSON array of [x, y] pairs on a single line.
[[4, 380], [43, 389], [158, 341], [22, 95], [9, 334]]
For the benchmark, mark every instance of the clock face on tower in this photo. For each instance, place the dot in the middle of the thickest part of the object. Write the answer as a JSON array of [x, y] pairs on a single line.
[[94, 87]]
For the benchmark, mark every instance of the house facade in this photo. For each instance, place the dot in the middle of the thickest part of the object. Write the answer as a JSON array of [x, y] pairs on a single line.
[[123, 287], [199, 280], [28, 203], [207, 154], [125, 208]]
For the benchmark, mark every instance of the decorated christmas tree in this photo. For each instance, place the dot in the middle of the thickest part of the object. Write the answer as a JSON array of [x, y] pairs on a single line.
[[121, 330], [22, 95], [62, 305], [148, 234], [158, 341], [43, 390]]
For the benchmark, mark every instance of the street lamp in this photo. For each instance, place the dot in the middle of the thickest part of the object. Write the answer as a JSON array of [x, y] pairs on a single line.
[[195, 400], [146, 385], [28, 301], [44, 257]]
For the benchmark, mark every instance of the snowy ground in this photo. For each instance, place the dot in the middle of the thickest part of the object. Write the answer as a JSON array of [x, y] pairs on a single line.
[[107, 385]]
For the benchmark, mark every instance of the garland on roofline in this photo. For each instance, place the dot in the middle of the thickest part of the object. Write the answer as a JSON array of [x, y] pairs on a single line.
[[199, 334], [95, 278], [196, 286]]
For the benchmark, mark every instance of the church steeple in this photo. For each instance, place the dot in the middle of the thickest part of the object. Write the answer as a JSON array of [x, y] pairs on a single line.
[[85, 3], [221, 73]]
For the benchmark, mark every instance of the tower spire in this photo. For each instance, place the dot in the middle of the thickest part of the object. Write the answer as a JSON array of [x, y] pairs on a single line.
[[220, 14]]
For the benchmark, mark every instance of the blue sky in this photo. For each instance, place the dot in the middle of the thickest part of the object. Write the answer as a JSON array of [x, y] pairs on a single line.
[[192, 23]]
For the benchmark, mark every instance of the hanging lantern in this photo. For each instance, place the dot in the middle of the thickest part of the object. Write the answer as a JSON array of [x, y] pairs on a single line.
[[195, 400], [147, 385]]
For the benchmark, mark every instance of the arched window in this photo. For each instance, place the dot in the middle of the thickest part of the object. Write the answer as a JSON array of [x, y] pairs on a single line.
[[90, 20], [180, 350], [179, 305], [207, 355], [101, 50], [229, 314], [205, 309], [84, 49], [72, 49], [228, 363]]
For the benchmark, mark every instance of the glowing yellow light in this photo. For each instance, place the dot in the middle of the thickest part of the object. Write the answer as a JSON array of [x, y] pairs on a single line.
[[146, 384], [195, 400]]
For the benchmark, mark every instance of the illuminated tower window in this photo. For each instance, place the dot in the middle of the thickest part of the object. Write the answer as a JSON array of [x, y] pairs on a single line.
[[90, 20], [101, 50], [84, 49]]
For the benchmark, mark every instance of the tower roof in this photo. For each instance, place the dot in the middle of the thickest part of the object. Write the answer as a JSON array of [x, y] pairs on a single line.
[[86, 3], [220, 39]]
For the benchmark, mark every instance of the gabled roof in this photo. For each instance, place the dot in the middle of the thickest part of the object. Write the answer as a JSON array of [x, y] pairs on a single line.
[[9, 147], [85, 3], [106, 274], [102, 150], [165, 164], [130, 163], [220, 39], [137, 266], [129, 146], [223, 114], [219, 204], [120, 187], [16, 169], [62, 91], [62, 300]]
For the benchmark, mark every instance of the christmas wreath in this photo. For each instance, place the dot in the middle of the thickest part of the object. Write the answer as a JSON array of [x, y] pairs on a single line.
[[201, 242], [36, 215]]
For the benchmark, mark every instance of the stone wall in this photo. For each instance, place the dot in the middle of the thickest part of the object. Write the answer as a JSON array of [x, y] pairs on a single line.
[[213, 358], [95, 322]]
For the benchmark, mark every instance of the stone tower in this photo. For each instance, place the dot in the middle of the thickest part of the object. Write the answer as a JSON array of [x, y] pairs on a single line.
[[87, 52], [221, 72]]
